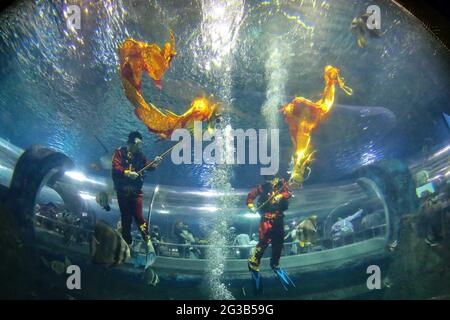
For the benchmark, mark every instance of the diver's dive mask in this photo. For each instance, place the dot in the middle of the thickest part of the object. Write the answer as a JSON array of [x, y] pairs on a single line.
[[136, 146]]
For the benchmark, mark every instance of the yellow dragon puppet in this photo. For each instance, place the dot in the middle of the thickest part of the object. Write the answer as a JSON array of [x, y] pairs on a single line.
[[137, 57], [303, 115]]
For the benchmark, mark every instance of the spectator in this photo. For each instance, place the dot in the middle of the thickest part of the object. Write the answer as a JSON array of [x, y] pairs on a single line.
[[344, 227], [242, 242], [432, 212], [185, 237], [307, 231]]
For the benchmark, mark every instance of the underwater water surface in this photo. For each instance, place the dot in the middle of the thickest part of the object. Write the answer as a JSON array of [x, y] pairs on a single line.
[[60, 87]]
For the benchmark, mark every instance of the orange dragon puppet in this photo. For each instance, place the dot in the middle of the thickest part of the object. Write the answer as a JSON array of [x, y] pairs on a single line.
[[137, 57], [303, 115]]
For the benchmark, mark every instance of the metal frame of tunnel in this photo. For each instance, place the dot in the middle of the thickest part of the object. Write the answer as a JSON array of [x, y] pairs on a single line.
[[372, 185], [34, 168]]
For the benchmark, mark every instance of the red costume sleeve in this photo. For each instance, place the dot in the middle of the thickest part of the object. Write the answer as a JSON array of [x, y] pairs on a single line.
[[117, 162], [253, 194]]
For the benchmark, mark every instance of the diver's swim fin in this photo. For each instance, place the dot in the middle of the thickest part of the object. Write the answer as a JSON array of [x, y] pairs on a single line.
[[284, 278], [257, 282]]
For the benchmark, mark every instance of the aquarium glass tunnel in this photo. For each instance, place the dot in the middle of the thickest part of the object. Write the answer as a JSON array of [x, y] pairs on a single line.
[[154, 148]]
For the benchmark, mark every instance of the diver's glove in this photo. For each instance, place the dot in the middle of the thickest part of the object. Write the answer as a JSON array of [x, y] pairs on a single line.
[[251, 207], [131, 174], [277, 198]]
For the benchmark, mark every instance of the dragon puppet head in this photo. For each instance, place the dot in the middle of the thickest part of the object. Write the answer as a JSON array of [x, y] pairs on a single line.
[[204, 109], [331, 75]]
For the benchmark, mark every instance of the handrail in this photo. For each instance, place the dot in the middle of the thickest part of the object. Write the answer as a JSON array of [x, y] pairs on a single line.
[[37, 215], [230, 248]]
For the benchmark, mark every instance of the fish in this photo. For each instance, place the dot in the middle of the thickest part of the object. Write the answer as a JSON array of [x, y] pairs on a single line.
[[387, 283], [107, 246], [150, 277], [359, 27], [104, 200], [59, 267]]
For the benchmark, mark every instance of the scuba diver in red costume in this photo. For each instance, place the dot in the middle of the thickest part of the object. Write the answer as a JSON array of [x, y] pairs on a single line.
[[273, 197], [126, 163]]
